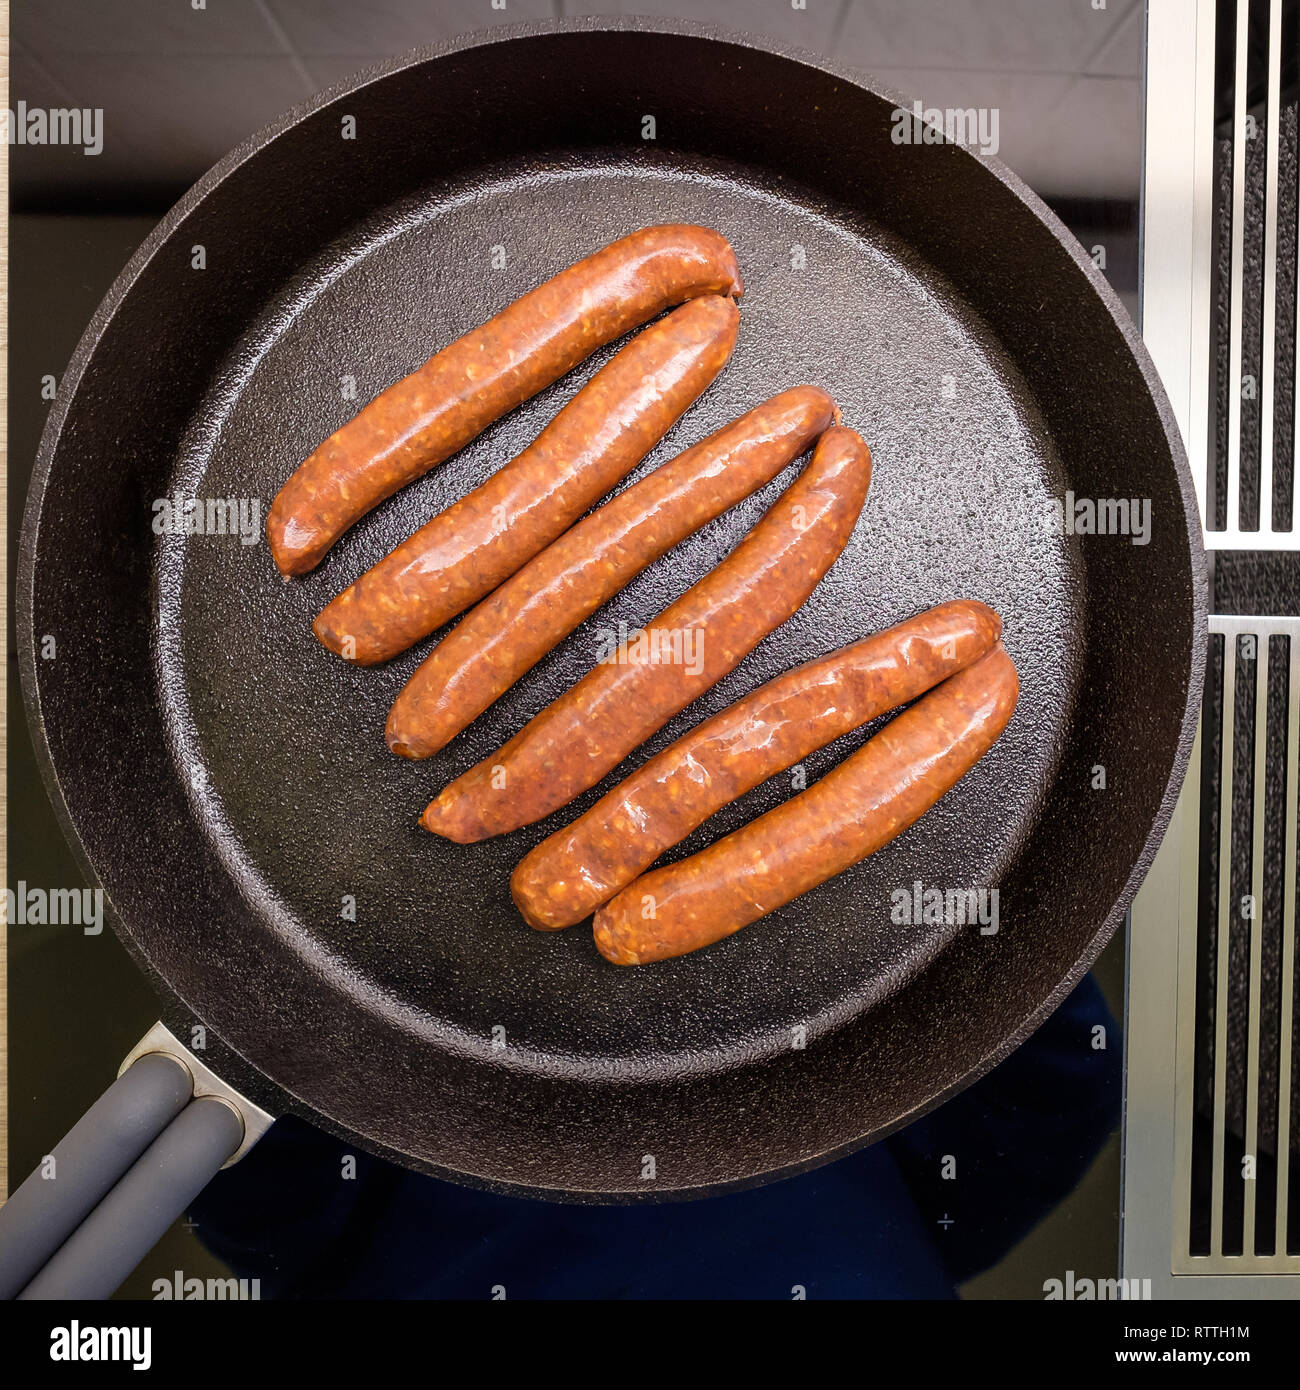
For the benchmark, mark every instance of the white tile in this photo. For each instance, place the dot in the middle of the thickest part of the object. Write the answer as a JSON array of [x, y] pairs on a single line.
[[1008, 35], [1065, 136], [813, 26], [382, 28], [145, 27], [1122, 54], [1022, 103], [1091, 144], [169, 119], [328, 71], [170, 115]]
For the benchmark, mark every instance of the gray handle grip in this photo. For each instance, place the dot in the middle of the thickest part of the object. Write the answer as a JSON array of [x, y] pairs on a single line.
[[90, 1158], [131, 1219]]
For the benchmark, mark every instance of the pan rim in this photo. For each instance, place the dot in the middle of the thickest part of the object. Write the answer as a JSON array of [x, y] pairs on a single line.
[[260, 140]]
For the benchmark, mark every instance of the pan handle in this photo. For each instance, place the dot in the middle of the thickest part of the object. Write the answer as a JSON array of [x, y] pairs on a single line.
[[85, 1164], [123, 1173], [129, 1222]]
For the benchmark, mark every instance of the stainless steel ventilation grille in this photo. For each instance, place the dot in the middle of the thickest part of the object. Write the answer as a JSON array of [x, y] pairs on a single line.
[[1245, 446], [1237, 1150], [1211, 1171]]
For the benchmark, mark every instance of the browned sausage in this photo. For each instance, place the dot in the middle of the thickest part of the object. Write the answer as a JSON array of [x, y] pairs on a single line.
[[862, 804], [570, 874], [602, 434], [690, 646], [460, 391], [513, 628]]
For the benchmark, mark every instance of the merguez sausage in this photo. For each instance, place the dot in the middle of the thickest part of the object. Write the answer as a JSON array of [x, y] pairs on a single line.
[[862, 804], [601, 435], [591, 728], [582, 866], [436, 410], [513, 628]]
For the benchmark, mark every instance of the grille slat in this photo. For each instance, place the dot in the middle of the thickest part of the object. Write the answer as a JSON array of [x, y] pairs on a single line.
[[1295, 354], [1212, 1079], [1286, 1014], [1229, 1121], [1268, 357], [1236, 301], [1247, 489], [1253, 1004], [1224, 941]]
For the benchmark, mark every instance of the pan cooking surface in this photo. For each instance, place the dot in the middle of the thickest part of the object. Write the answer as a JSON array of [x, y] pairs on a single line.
[[226, 780], [308, 807]]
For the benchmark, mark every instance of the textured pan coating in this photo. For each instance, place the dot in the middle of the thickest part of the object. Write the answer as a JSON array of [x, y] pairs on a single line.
[[690, 646], [424, 418], [601, 435], [862, 804], [513, 628], [569, 875]]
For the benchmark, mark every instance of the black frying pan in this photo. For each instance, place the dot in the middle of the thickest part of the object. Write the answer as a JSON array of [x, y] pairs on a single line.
[[226, 781]]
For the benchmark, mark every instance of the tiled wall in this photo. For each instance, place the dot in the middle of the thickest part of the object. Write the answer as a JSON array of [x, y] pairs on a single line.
[[179, 86]]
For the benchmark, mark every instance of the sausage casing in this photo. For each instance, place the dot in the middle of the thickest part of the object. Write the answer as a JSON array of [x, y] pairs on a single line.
[[601, 434], [436, 410], [862, 804], [515, 626], [689, 647], [569, 875]]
